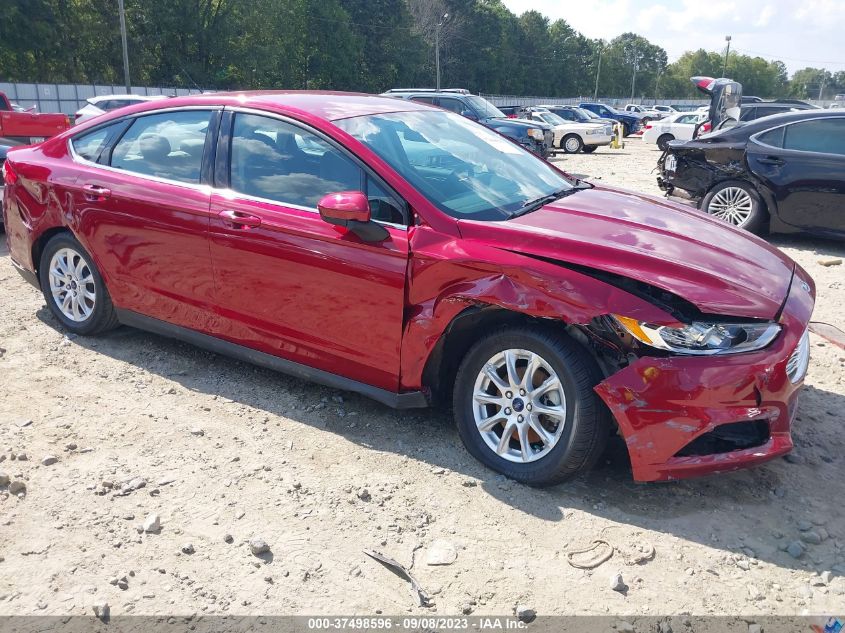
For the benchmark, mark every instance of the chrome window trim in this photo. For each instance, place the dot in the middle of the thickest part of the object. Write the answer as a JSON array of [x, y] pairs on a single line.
[[166, 181], [754, 138], [300, 124]]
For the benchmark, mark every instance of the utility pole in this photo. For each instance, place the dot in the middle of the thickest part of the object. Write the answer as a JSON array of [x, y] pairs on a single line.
[[125, 48], [727, 52], [436, 47], [821, 87], [634, 76], [598, 72]]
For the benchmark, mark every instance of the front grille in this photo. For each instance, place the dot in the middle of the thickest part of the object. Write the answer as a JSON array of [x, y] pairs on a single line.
[[734, 436], [796, 366]]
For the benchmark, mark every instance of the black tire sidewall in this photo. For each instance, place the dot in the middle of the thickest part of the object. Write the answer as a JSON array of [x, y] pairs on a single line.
[[566, 358], [102, 304], [589, 149], [571, 136], [757, 220], [663, 141]]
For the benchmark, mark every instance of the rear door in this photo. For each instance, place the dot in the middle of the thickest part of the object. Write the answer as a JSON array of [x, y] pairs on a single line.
[[290, 284], [142, 201], [803, 164]]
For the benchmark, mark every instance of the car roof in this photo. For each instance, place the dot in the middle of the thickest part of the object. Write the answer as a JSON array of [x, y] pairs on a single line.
[[327, 105], [773, 120], [99, 98]]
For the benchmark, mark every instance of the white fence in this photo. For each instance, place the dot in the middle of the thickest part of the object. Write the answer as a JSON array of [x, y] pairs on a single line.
[[68, 98], [502, 100]]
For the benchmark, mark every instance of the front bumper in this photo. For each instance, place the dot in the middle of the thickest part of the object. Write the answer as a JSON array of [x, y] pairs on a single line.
[[662, 405]]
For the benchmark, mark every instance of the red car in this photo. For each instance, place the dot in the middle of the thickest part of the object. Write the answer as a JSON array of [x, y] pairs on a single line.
[[409, 254]]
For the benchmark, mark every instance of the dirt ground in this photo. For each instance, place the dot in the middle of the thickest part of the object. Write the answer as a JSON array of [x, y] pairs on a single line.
[[225, 448]]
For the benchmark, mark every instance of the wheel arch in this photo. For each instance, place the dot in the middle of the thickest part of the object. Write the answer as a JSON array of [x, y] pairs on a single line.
[[41, 241]]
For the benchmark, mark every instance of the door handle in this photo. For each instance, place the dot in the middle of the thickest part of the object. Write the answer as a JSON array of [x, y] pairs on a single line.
[[95, 193], [771, 160], [239, 220]]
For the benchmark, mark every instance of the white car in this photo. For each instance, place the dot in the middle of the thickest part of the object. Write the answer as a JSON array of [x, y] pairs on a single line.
[[649, 113], [678, 126], [573, 137], [96, 106]]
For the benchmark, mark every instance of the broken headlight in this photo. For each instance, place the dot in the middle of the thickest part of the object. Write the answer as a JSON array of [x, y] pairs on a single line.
[[702, 338]]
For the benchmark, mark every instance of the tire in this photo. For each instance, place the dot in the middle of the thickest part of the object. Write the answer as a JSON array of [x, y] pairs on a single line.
[[737, 203], [625, 130], [589, 149], [91, 312], [575, 435], [571, 144], [663, 141]]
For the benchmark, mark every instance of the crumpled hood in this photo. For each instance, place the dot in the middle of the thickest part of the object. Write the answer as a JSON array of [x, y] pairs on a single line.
[[718, 268]]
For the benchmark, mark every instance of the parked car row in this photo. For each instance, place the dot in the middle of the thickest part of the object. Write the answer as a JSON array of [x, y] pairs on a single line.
[[384, 246], [536, 136], [20, 126], [572, 134]]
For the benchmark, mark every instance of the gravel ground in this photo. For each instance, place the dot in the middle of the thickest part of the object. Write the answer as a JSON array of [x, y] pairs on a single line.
[[227, 452]]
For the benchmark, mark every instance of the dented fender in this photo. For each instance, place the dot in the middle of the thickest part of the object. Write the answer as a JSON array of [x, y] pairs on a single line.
[[447, 276]]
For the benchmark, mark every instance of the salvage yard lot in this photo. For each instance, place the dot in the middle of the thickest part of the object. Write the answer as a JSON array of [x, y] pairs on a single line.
[[229, 449]]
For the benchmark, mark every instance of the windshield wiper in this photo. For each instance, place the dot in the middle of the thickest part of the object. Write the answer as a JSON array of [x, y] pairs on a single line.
[[537, 203]]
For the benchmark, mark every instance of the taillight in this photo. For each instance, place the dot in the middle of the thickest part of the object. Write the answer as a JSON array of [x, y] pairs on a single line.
[[648, 126], [706, 128]]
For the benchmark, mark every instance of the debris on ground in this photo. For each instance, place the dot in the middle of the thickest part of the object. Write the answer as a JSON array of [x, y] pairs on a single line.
[[441, 552], [258, 546], [617, 583], [604, 554], [422, 596]]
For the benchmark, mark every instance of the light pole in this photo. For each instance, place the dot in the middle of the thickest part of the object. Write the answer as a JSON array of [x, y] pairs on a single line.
[[598, 72], [727, 52], [125, 48], [437, 47], [634, 76]]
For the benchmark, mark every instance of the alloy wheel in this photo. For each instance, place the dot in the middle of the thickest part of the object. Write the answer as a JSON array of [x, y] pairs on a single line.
[[519, 405], [72, 285], [732, 204]]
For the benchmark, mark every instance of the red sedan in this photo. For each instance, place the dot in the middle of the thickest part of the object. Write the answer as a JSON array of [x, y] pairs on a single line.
[[409, 254]]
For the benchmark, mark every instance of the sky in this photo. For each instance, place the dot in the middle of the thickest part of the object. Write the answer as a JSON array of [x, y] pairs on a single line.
[[800, 33]]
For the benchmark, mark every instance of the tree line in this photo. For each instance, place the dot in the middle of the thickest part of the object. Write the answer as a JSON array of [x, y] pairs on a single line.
[[363, 45]]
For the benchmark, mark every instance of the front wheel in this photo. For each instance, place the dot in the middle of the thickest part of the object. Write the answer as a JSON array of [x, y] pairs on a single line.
[[738, 203], [589, 149], [73, 287], [571, 144], [524, 405]]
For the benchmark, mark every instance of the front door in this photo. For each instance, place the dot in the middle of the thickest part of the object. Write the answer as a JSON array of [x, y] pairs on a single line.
[[289, 284], [804, 165], [144, 210]]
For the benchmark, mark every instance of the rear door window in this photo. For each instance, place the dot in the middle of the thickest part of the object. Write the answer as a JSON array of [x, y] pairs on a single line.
[[428, 100], [165, 145], [818, 135], [91, 144]]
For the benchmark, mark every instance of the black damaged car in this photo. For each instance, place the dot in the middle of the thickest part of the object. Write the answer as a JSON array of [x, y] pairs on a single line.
[[782, 173]]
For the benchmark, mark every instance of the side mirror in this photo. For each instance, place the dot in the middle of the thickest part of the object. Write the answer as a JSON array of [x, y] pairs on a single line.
[[351, 210], [470, 115]]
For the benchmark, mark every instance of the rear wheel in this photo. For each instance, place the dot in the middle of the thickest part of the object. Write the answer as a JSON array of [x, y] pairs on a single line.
[[625, 130], [73, 287], [663, 141], [738, 203], [571, 144], [525, 407], [589, 149]]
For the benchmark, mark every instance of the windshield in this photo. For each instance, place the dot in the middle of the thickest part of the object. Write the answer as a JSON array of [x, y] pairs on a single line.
[[551, 118], [465, 169], [485, 108], [584, 115]]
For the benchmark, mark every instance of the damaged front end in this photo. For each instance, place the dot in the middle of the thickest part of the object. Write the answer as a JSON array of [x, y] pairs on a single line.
[[687, 415]]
